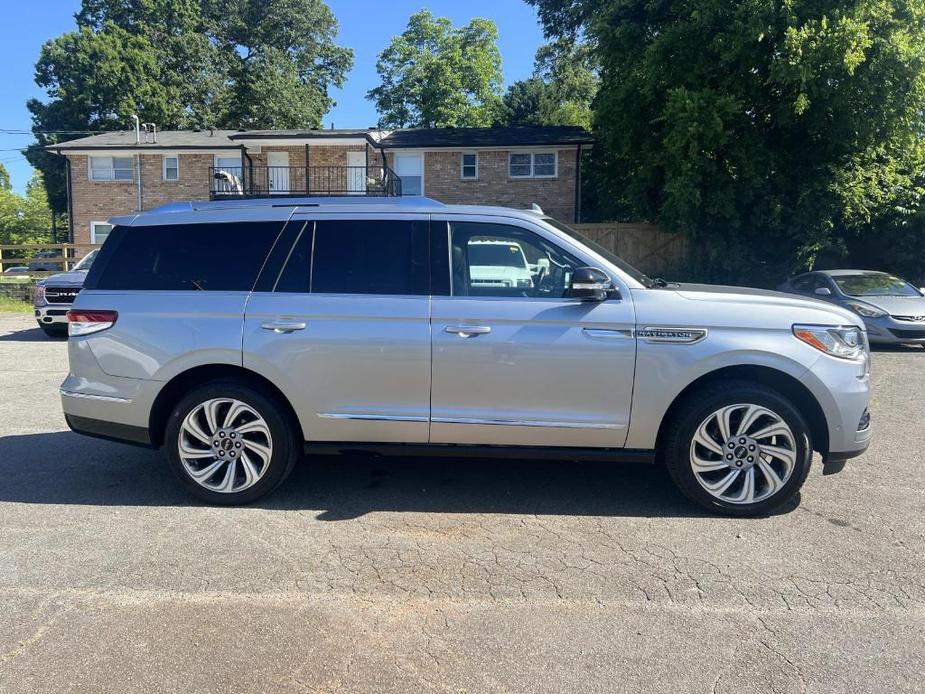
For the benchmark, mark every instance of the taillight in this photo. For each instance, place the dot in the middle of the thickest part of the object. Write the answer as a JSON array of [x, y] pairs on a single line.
[[83, 322]]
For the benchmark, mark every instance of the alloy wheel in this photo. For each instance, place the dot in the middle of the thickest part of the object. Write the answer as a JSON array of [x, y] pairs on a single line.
[[743, 454], [225, 445]]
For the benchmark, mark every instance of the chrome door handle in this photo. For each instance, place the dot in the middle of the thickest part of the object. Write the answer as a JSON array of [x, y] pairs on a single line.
[[467, 330], [283, 326]]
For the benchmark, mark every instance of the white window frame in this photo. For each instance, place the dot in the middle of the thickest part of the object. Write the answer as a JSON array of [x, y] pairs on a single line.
[[462, 166], [93, 226], [533, 174], [412, 153], [112, 169], [164, 159]]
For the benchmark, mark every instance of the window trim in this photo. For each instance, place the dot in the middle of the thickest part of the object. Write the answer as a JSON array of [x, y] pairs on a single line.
[[93, 226], [112, 169], [533, 174], [164, 158], [462, 166]]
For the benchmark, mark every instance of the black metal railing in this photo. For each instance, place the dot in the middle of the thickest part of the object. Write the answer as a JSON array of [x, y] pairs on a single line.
[[265, 181]]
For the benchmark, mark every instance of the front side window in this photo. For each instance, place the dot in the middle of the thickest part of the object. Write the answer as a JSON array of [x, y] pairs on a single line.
[[369, 257], [497, 260], [470, 166], [99, 231], [171, 168], [111, 168], [532, 165], [187, 257]]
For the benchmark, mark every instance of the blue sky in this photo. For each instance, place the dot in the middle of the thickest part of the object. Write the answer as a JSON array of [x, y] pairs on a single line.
[[364, 26]]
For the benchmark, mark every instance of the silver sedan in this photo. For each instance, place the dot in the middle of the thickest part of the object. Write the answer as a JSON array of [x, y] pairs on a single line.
[[893, 310]]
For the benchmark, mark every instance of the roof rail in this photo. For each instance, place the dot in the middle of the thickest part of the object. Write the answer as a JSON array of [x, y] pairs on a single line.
[[298, 201]]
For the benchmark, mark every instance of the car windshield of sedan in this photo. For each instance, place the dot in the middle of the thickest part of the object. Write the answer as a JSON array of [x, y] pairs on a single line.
[[875, 285]]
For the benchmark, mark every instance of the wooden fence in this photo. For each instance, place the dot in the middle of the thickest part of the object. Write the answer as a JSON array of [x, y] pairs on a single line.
[[644, 246], [63, 256]]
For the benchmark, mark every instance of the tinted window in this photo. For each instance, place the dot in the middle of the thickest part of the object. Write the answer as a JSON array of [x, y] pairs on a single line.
[[506, 261], [206, 257], [370, 257], [296, 275]]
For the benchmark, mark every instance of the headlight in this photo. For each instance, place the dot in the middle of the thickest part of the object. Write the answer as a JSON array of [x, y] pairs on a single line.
[[865, 310], [39, 296], [839, 341]]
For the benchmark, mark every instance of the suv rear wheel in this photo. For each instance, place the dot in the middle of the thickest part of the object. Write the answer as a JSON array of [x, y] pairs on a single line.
[[230, 443], [738, 447]]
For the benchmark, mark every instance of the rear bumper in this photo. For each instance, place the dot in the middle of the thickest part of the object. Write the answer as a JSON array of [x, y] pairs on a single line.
[[111, 431]]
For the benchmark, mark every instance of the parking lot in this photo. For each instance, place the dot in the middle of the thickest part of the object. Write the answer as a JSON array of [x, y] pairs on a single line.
[[365, 574]]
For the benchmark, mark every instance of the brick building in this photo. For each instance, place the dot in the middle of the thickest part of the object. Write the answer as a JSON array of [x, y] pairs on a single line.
[[120, 172]]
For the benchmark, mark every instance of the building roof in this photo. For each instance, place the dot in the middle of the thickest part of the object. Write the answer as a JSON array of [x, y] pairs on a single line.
[[166, 139], [407, 138]]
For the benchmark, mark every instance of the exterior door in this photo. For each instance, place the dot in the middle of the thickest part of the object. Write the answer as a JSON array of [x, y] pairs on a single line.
[[356, 172], [278, 172], [344, 330], [516, 363]]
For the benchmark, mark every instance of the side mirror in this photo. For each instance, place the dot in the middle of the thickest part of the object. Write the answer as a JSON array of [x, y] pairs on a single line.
[[823, 291], [591, 284]]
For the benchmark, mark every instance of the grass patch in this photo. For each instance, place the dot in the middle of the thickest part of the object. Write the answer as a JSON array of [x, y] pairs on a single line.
[[11, 305]]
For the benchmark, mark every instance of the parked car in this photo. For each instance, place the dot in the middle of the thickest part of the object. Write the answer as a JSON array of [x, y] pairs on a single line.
[[54, 295], [39, 265], [893, 310], [237, 335], [495, 263], [16, 270]]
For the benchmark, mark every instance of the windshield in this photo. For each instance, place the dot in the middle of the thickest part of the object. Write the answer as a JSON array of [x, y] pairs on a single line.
[[608, 255], [496, 255], [87, 260], [879, 284]]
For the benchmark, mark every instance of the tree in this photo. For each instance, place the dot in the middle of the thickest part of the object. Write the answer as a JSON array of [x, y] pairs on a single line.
[[772, 132], [184, 63], [5, 183], [560, 92], [25, 218], [434, 75]]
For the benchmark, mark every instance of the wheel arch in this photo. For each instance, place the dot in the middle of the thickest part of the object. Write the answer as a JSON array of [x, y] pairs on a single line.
[[785, 384], [183, 382]]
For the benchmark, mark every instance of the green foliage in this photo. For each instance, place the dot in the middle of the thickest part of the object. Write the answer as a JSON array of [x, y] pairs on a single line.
[[435, 75], [560, 91], [775, 133], [186, 63], [25, 218], [5, 179]]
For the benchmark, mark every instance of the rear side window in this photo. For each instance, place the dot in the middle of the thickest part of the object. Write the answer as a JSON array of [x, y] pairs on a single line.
[[197, 257], [368, 257]]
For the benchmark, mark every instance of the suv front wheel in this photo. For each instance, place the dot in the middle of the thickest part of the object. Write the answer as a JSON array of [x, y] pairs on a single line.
[[230, 444], [738, 447]]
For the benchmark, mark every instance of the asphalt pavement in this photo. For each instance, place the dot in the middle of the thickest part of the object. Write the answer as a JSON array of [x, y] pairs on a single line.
[[365, 574]]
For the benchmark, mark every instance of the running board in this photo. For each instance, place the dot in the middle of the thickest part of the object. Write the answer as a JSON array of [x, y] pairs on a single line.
[[454, 450]]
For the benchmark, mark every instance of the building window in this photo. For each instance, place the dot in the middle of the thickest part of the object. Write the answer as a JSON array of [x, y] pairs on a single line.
[[533, 165], [171, 167], [99, 231], [410, 169], [470, 166], [111, 168]]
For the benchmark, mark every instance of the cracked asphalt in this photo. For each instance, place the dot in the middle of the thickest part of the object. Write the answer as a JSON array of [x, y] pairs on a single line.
[[368, 574]]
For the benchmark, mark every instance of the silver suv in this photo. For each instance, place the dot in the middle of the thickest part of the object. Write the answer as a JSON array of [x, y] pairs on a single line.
[[239, 334]]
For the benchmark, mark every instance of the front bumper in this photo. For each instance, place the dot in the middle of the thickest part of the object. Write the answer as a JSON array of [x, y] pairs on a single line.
[[52, 315], [887, 330]]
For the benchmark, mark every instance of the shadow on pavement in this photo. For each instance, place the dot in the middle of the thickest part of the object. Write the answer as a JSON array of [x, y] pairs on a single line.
[[64, 468], [35, 334]]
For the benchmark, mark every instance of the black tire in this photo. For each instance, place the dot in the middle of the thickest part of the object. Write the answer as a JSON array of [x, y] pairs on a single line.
[[286, 443], [55, 332], [697, 408]]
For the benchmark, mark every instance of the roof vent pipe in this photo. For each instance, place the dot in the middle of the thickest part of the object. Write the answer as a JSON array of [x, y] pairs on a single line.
[[137, 128], [150, 129]]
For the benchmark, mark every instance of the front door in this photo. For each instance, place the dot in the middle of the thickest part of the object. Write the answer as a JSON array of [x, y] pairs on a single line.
[[345, 332], [278, 172], [356, 172], [515, 362]]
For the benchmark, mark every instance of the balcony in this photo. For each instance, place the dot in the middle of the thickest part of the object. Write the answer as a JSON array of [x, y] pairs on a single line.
[[231, 182]]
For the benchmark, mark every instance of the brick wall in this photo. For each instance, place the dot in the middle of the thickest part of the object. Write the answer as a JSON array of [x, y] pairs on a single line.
[[442, 181]]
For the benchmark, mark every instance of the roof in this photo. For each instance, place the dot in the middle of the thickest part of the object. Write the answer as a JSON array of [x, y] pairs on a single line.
[[407, 138], [487, 137], [166, 139]]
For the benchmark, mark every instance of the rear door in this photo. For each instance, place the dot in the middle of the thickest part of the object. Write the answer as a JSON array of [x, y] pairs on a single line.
[[344, 329], [514, 361]]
